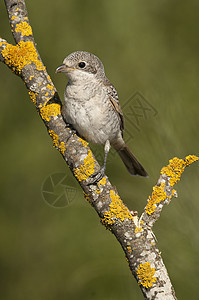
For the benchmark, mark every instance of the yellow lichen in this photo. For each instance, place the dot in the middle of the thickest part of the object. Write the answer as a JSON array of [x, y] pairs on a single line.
[[118, 211], [55, 138], [158, 195], [176, 167], [50, 86], [56, 142], [129, 249], [24, 28], [24, 53], [33, 97], [87, 168], [46, 102], [49, 111], [190, 159], [87, 198], [98, 191], [84, 143], [102, 181], [145, 274], [62, 148], [13, 18], [150, 207], [173, 171], [139, 224], [138, 229]]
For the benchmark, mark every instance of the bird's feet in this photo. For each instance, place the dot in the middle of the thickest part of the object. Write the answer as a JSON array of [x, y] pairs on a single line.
[[97, 176]]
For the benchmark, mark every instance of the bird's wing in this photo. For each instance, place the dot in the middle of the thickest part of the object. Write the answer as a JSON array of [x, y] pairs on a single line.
[[114, 100]]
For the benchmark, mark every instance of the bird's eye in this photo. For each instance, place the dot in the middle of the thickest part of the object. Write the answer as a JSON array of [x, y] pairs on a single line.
[[82, 64]]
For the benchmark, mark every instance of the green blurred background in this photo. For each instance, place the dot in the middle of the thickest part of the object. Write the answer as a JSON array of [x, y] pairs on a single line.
[[65, 253]]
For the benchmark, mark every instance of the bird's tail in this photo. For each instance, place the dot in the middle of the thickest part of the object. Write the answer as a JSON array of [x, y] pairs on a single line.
[[131, 162]]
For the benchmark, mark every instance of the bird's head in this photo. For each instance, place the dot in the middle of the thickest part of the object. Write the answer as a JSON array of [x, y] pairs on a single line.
[[82, 65]]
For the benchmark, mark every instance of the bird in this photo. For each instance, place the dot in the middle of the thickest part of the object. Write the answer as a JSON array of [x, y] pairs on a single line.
[[91, 106]]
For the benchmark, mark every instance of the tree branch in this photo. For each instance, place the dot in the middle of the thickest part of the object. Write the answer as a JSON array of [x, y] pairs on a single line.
[[135, 235]]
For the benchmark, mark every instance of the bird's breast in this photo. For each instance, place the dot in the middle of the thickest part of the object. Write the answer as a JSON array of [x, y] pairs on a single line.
[[91, 114]]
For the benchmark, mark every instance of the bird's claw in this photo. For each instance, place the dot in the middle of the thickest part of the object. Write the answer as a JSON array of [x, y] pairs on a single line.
[[97, 176]]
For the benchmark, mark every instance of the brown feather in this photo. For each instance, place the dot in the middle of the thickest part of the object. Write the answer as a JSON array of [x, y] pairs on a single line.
[[117, 108]]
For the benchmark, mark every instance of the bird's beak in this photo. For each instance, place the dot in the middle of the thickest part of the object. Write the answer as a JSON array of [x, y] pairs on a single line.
[[62, 68]]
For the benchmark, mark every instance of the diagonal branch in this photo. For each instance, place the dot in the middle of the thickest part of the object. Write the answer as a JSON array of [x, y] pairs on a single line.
[[164, 190], [135, 235], [19, 22]]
